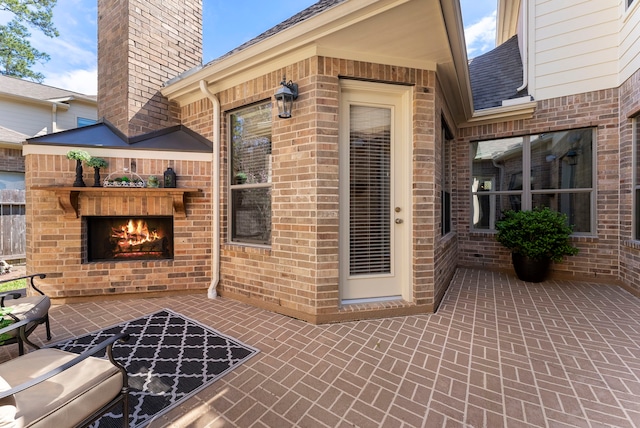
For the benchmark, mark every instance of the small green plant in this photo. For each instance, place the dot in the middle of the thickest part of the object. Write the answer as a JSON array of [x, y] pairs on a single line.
[[241, 177], [125, 179], [80, 155], [5, 321], [537, 234], [97, 163]]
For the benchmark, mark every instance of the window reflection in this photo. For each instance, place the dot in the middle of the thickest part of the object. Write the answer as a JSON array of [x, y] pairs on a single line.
[[548, 165]]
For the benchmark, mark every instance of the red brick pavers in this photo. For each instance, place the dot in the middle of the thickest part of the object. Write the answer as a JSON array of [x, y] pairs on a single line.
[[498, 353]]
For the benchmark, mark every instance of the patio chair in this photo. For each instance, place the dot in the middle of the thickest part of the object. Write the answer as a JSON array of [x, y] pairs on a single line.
[[15, 307], [54, 388]]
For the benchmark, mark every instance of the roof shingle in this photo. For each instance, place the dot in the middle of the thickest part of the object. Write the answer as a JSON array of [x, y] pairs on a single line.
[[25, 88], [496, 75]]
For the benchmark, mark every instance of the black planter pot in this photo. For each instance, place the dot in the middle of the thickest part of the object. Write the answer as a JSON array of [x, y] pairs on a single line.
[[96, 177], [530, 270], [79, 181]]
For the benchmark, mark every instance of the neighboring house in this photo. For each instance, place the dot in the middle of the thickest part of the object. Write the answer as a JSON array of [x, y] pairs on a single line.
[[28, 109], [397, 161]]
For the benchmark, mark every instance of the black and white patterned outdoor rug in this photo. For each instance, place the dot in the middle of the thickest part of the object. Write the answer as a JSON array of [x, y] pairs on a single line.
[[168, 359]]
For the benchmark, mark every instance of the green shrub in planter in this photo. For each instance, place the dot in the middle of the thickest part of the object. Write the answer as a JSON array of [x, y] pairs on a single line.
[[535, 238], [537, 234]]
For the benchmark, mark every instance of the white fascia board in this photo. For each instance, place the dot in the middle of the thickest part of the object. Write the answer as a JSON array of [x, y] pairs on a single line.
[[30, 100], [231, 77], [501, 114], [334, 19], [37, 149], [516, 101]]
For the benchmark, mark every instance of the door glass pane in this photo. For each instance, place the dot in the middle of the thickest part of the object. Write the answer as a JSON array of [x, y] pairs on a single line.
[[369, 190]]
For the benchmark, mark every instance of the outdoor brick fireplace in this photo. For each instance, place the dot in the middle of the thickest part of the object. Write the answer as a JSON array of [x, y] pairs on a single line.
[[81, 237], [96, 241]]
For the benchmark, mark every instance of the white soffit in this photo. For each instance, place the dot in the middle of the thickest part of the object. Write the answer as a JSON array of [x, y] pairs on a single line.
[[410, 33]]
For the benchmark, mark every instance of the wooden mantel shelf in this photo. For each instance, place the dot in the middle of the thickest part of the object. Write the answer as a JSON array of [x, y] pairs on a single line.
[[68, 196]]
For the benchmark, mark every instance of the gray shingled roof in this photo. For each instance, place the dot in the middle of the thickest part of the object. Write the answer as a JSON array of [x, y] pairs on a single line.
[[11, 136], [25, 88], [104, 134], [496, 75]]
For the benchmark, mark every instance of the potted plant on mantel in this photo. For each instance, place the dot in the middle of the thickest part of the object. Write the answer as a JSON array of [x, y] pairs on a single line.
[[535, 238], [79, 156], [96, 164]]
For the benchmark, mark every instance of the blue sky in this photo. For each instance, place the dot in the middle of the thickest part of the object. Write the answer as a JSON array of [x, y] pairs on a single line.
[[73, 54]]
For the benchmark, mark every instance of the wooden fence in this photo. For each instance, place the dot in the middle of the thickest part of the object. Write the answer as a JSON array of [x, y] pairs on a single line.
[[13, 243]]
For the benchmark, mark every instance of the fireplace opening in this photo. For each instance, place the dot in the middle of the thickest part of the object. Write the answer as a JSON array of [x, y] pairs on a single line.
[[121, 238]]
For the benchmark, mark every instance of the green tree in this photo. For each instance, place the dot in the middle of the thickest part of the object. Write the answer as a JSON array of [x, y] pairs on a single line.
[[17, 56]]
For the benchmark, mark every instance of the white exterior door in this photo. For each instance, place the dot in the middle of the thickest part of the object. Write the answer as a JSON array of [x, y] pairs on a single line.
[[375, 192]]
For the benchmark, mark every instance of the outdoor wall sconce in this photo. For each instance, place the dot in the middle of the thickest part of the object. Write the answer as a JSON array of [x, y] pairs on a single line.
[[284, 98], [572, 157]]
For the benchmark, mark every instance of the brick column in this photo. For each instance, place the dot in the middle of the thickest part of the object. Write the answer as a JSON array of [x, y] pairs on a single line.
[[141, 45]]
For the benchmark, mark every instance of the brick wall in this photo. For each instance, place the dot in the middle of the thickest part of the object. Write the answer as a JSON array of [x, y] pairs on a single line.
[[55, 241], [299, 274], [141, 45], [630, 248], [446, 247], [11, 160], [598, 257]]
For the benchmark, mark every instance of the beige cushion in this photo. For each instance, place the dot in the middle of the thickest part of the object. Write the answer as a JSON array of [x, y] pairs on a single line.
[[65, 399], [7, 407], [27, 307]]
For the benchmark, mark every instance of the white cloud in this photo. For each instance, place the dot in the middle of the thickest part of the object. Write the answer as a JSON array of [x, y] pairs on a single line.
[[481, 36], [78, 80]]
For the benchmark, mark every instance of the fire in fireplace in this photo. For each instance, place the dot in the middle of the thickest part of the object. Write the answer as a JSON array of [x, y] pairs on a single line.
[[129, 238]]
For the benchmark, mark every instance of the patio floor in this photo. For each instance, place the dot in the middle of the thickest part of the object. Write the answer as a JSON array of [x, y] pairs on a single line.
[[497, 353]]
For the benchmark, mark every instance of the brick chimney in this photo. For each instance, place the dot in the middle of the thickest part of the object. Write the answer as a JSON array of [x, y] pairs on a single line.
[[141, 45]]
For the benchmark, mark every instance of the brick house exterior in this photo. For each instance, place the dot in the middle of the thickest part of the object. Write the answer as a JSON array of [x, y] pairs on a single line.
[[299, 270]]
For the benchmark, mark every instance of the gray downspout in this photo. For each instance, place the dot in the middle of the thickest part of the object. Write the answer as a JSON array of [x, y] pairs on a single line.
[[215, 262]]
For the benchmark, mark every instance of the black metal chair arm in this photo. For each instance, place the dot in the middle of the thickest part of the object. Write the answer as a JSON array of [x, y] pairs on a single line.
[[30, 281], [108, 344], [17, 325], [11, 294]]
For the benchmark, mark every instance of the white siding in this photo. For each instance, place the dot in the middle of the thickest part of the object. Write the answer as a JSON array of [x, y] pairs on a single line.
[[630, 41], [573, 47], [69, 119], [28, 119], [36, 119]]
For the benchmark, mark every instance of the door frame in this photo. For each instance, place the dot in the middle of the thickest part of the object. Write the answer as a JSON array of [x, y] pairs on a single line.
[[403, 172]]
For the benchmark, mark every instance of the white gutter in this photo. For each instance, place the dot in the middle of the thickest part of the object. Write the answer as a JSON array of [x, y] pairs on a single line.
[[54, 117], [525, 45], [215, 262]]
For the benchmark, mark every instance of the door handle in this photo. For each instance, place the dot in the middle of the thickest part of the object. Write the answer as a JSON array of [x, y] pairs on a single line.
[[399, 221]]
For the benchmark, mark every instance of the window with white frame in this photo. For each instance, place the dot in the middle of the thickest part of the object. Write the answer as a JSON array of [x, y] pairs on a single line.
[[554, 169], [447, 179], [250, 169], [83, 121]]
